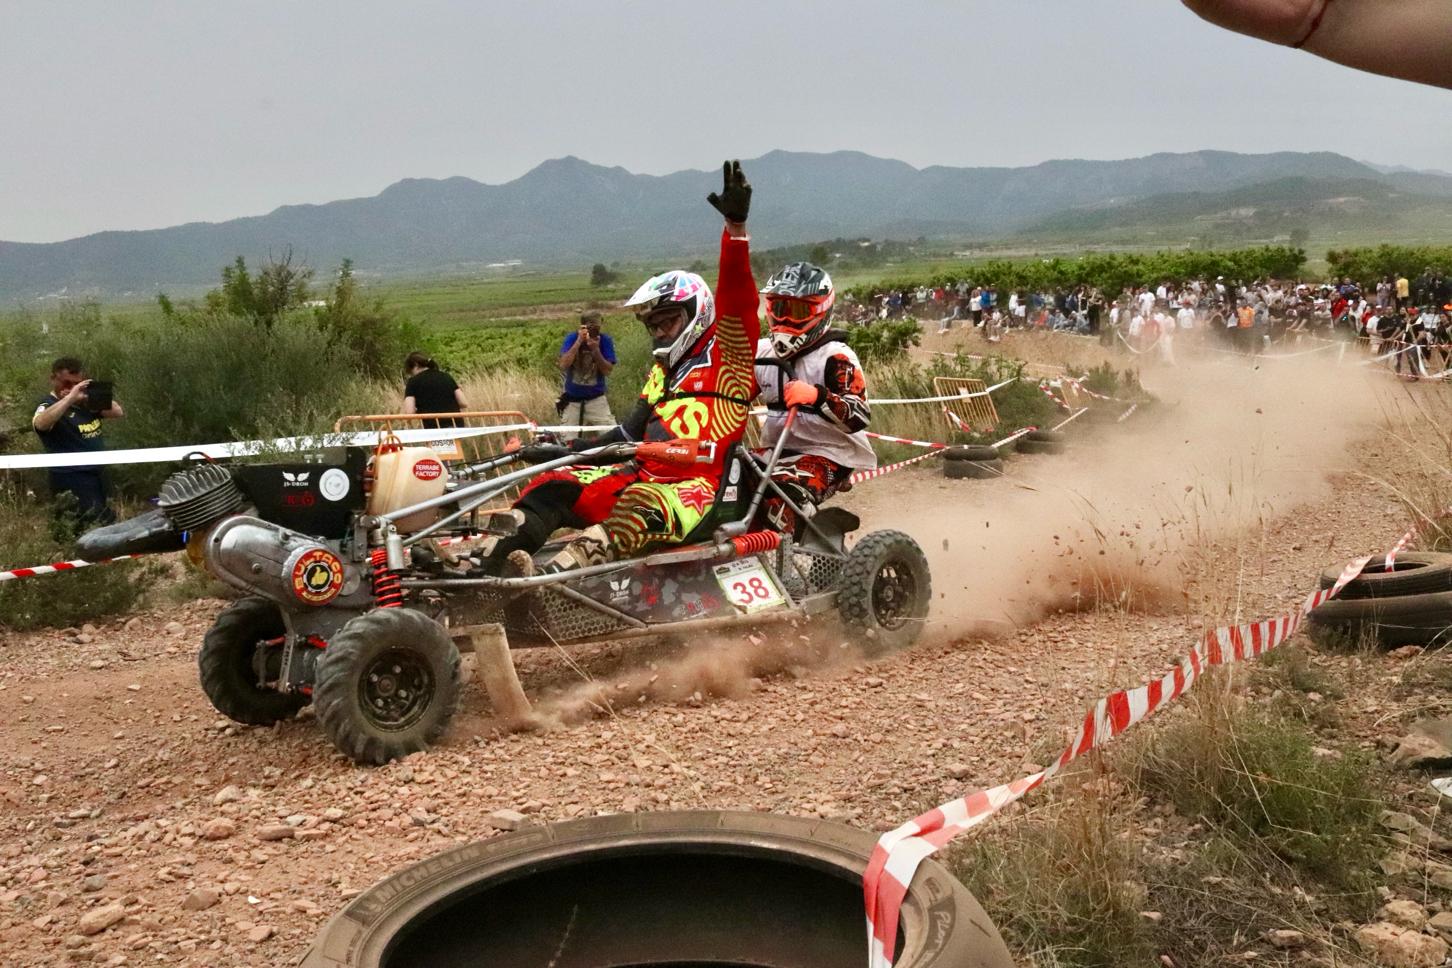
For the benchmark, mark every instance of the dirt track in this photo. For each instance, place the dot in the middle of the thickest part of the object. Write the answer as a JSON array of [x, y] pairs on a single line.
[[123, 787]]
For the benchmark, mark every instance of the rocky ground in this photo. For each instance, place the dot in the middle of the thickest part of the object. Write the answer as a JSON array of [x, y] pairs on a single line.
[[141, 828]]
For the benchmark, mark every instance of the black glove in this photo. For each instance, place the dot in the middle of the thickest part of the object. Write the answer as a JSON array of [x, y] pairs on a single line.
[[735, 199]]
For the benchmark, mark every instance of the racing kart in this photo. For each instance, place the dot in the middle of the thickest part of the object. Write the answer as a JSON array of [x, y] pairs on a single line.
[[355, 607]]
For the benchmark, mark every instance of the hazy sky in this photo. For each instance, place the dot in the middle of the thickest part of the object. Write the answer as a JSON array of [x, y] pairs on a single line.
[[138, 114]]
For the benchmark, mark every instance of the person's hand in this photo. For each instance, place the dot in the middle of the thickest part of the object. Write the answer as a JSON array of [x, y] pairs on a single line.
[[78, 392], [799, 393], [734, 202], [512, 444], [1278, 21]]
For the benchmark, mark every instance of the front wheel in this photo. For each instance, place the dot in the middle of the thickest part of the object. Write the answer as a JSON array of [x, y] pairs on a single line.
[[229, 667], [387, 685], [885, 591]]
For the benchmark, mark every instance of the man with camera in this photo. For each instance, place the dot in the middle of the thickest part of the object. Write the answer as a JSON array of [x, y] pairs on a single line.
[[586, 357], [68, 421]]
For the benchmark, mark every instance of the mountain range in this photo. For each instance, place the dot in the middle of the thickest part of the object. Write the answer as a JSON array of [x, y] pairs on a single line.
[[568, 212]]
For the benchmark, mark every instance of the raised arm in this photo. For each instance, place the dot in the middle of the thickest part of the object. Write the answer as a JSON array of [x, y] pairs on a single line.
[[737, 301], [1410, 39]]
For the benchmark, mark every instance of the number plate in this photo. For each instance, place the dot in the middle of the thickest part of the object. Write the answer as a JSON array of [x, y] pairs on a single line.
[[748, 585]]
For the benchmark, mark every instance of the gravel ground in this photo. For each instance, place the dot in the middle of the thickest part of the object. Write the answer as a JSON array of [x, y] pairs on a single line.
[[140, 828]]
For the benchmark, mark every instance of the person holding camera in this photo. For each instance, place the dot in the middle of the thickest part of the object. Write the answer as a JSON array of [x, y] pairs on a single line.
[[586, 357], [68, 421]]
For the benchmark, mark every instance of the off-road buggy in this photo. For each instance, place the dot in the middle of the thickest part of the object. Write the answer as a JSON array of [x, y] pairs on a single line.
[[351, 611]]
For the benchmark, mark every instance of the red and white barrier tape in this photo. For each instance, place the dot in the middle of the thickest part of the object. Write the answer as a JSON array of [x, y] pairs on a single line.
[[1090, 393], [1125, 416], [904, 440], [945, 399], [58, 566], [899, 852], [1071, 418], [1044, 386]]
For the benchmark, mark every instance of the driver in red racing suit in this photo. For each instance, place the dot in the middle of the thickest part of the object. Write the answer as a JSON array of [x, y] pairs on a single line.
[[699, 389]]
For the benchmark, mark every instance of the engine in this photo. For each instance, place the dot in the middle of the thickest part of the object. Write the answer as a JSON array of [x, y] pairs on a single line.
[[292, 569]]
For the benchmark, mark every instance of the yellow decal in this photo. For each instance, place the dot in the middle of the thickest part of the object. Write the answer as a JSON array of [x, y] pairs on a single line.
[[684, 418]]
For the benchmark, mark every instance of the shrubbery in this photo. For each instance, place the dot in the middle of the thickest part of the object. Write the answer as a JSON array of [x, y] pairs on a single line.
[[1113, 272], [28, 537], [1367, 266]]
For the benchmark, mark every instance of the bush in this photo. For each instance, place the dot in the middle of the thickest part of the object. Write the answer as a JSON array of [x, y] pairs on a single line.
[[27, 537], [885, 341], [1062, 882], [1367, 266], [1111, 273], [1256, 777]]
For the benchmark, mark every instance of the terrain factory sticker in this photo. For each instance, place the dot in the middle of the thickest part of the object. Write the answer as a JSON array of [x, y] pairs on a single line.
[[428, 469], [317, 577]]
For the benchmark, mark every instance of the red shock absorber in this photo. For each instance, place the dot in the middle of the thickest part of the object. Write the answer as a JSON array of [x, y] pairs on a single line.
[[756, 542], [387, 585]]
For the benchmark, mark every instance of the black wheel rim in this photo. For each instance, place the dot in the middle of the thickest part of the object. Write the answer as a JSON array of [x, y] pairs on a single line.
[[395, 689], [894, 594]]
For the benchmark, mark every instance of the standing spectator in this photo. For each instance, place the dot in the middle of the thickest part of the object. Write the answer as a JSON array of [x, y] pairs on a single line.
[[586, 357], [431, 390], [1404, 291], [68, 421]]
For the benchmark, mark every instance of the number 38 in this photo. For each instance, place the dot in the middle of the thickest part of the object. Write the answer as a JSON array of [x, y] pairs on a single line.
[[750, 592]]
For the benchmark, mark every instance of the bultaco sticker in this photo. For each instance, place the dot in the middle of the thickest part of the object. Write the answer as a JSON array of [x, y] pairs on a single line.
[[427, 469], [317, 577]]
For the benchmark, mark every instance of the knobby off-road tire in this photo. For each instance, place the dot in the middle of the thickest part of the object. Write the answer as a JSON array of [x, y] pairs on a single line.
[[387, 685], [959, 470], [1414, 573], [225, 663], [973, 452], [1402, 620], [698, 888], [885, 591]]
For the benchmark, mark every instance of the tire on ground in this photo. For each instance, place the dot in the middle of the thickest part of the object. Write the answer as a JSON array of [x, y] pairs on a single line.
[[387, 685], [226, 669], [1027, 445], [1413, 573], [971, 452], [958, 470], [1405, 620], [885, 591], [698, 879], [1048, 436]]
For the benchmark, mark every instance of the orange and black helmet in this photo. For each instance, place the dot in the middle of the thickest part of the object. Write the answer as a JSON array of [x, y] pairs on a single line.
[[799, 299]]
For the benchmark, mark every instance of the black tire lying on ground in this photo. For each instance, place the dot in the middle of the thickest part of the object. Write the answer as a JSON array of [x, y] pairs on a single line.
[[971, 452], [1027, 445], [387, 685], [1403, 620], [225, 663], [958, 470], [1413, 573], [701, 888], [1048, 436]]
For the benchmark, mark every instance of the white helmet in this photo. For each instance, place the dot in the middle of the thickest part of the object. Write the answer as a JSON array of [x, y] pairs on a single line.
[[687, 290]]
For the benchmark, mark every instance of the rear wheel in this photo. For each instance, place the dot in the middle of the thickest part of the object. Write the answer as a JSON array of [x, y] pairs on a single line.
[[885, 591], [228, 664], [387, 685]]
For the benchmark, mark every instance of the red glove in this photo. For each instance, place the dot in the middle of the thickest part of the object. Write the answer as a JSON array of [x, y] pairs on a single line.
[[799, 393]]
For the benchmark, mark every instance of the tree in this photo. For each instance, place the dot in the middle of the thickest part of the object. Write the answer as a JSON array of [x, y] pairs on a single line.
[[600, 275], [820, 255], [280, 286]]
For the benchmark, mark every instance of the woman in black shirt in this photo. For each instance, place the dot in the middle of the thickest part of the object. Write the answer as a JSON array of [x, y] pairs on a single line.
[[431, 390]]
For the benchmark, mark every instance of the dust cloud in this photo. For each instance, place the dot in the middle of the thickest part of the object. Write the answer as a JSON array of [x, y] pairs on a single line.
[[1228, 445]]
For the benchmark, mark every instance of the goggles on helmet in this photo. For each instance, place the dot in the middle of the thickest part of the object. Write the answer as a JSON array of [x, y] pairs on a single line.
[[786, 309]]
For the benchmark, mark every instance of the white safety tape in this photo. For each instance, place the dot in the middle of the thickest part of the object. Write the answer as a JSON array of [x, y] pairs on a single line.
[[247, 448]]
